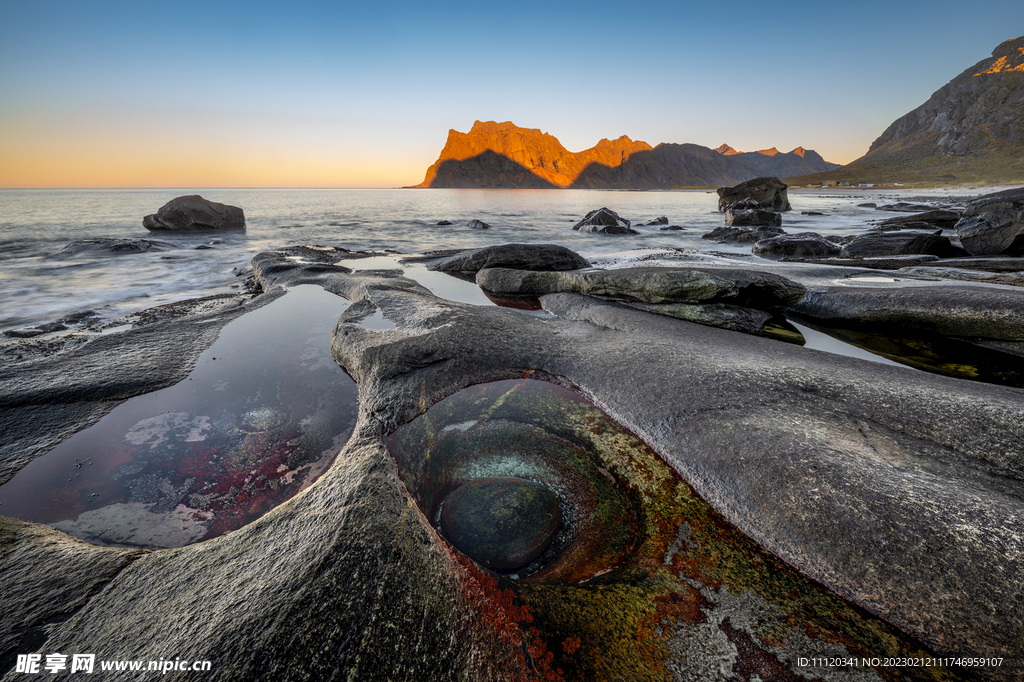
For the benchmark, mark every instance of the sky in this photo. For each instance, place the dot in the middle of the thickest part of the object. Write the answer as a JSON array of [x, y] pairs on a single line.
[[338, 94]]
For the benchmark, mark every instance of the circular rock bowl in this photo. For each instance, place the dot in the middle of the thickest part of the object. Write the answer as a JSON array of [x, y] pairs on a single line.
[[563, 516], [502, 523]]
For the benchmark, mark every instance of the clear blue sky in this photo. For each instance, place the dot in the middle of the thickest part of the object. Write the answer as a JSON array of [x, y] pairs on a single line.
[[339, 94]]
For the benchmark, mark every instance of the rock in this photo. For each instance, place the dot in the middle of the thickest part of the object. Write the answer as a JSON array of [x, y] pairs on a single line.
[[903, 243], [994, 224], [953, 310], [515, 256], [722, 315], [84, 317], [606, 221], [501, 523], [938, 219], [1002, 264], [444, 222], [768, 192], [764, 291], [673, 228], [811, 213], [878, 263], [747, 213], [478, 224], [33, 332], [116, 247], [804, 244], [194, 214], [742, 234], [47, 577], [905, 207], [874, 482], [663, 220], [868, 205], [203, 247], [1010, 278]]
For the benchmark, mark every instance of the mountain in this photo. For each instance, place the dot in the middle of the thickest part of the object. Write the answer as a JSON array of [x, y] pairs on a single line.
[[503, 155], [969, 130]]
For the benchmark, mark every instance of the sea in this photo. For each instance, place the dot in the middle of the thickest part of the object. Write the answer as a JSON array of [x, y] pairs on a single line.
[[40, 284]]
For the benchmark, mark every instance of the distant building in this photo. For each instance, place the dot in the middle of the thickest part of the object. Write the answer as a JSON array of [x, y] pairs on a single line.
[[828, 183], [866, 184]]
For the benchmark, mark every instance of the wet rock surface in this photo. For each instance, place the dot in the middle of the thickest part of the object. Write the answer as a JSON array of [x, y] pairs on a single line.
[[114, 247], [896, 488], [516, 256], [905, 207], [902, 243], [959, 311], [743, 234], [501, 523], [653, 285], [994, 224], [36, 597], [768, 192], [746, 213], [803, 244], [193, 213], [605, 221], [937, 219]]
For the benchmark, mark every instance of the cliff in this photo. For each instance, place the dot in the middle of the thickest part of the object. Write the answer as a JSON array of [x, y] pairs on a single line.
[[503, 155], [969, 130]]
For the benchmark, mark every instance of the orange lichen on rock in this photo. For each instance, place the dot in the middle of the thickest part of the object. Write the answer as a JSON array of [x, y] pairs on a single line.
[[532, 149], [1004, 65]]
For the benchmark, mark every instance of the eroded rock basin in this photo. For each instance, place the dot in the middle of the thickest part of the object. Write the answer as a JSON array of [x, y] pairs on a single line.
[[644, 580], [260, 417]]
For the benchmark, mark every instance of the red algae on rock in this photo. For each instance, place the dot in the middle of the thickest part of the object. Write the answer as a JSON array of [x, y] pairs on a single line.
[[644, 580]]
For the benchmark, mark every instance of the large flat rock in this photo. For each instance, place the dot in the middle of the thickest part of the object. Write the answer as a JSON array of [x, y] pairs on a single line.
[[898, 489]]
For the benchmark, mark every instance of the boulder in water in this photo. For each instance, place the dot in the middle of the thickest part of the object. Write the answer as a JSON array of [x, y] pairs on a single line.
[[803, 244], [768, 192], [194, 214], [994, 224], [748, 213], [743, 234], [903, 243], [606, 221], [516, 256]]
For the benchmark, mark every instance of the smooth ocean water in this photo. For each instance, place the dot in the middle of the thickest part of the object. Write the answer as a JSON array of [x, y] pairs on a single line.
[[37, 287]]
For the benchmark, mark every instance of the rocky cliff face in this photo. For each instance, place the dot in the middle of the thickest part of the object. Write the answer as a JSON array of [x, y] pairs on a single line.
[[533, 153], [977, 116], [493, 155]]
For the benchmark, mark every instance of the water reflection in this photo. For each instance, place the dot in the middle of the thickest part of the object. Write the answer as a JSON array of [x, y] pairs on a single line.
[[260, 418], [906, 347]]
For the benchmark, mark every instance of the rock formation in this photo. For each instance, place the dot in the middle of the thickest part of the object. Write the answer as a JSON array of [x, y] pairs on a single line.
[[604, 220], [194, 214], [969, 130], [846, 491], [517, 256], [748, 213], [994, 224], [493, 155], [768, 192], [803, 244]]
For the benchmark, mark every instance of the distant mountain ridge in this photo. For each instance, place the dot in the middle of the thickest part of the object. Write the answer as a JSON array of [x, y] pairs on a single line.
[[503, 155], [969, 130]]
